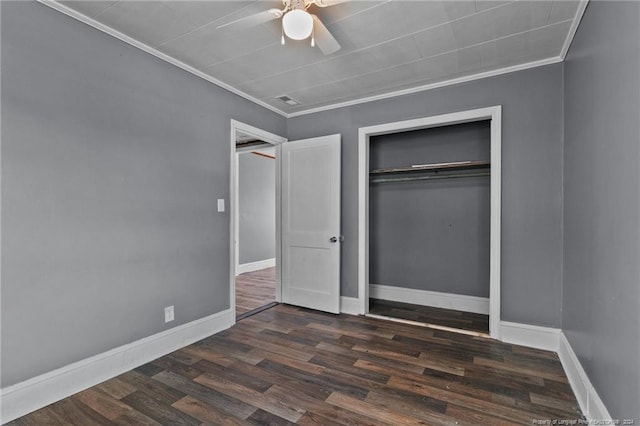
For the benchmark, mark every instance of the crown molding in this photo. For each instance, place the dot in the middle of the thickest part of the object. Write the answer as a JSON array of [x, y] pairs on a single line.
[[574, 27], [431, 86], [54, 4]]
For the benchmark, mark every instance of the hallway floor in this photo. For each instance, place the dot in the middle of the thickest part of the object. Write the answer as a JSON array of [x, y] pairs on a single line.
[[255, 289]]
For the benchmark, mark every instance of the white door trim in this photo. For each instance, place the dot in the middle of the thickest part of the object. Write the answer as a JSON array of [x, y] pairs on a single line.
[[276, 141], [494, 114]]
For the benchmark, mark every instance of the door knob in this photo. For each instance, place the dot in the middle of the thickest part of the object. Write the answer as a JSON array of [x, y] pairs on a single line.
[[333, 239]]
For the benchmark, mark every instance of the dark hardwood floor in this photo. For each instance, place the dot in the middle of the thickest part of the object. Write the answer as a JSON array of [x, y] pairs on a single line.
[[426, 314], [289, 365], [255, 289]]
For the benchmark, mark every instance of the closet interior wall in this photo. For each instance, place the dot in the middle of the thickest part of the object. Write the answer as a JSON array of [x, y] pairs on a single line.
[[431, 234]]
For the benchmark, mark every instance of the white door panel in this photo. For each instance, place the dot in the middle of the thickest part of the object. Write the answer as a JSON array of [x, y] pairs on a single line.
[[310, 219]]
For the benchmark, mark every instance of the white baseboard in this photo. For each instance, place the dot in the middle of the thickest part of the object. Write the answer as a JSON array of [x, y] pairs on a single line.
[[459, 302], [350, 305], [40, 391], [532, 336], [590, 403], [255, 266]]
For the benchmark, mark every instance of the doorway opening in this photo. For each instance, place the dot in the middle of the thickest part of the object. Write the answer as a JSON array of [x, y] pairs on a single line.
[[255, 195], [452, 223]]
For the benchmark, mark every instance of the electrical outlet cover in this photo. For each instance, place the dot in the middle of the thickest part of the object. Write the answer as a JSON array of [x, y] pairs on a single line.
[[168, 314]]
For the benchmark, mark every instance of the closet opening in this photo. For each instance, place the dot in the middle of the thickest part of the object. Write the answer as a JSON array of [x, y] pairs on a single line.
[[431, 221], [429, 194]]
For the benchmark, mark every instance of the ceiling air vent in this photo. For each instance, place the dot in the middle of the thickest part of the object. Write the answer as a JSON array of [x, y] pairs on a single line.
[[287, 100]]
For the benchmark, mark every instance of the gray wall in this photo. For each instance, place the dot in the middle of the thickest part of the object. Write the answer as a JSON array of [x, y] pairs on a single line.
[[257, 207], [601, 296], [112, 161], [531, 177], [420, 232]]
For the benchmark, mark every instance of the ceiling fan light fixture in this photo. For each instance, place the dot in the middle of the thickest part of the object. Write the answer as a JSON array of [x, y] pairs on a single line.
[[297, 24]]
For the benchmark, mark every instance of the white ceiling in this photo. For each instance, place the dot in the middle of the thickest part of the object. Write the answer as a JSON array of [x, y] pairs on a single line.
[[387, 46]]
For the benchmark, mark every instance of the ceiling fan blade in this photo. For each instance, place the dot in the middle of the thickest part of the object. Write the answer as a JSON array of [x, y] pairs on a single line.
[[253, 20], [327, 3], [323, 38]]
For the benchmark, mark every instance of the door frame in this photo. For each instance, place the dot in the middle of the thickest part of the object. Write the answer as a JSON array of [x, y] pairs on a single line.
[[234, 229], [493, 113]]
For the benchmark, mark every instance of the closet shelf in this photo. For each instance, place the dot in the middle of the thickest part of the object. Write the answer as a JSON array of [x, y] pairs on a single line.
[[458, 165], [428, 177]]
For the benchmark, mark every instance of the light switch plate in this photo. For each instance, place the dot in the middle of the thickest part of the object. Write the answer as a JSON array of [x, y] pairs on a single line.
[[220, 204]]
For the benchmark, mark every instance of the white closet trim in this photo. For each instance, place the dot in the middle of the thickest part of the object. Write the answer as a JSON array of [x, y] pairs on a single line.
[[494, 114]]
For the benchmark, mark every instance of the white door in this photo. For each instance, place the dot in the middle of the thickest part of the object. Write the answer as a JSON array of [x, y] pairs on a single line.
[[311, 223]]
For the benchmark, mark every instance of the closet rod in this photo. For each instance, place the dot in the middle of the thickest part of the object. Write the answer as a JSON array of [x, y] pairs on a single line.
[[458, 165], [431, 177]]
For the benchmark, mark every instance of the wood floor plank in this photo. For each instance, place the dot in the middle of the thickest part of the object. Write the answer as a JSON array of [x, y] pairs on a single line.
[[290, 340], [264, 418], [102, 403], [340, 350], [233, 373], [184, 357], [148, 369], [482, 371], [249, 396], [289, 365], [422, 362], [382, 345], [381, 414], [77, 413], [293, 384], [328, 384], [43, 416], [463, 387], [225, 353], [261, 325], [135, 418], [430, 412], [274, 346], [489, 384], [555, 375], [151, 387], [116, 388], [466, 415], [170, 364], [226, 403], [346, 331], [330, 363], [317, 408], [207, 413], [470, 402], [158, 410], [464, 350], [308, 367], [552, 402]]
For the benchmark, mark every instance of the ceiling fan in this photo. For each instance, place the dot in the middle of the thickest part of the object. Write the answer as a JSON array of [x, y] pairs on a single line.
[[297, 23]]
